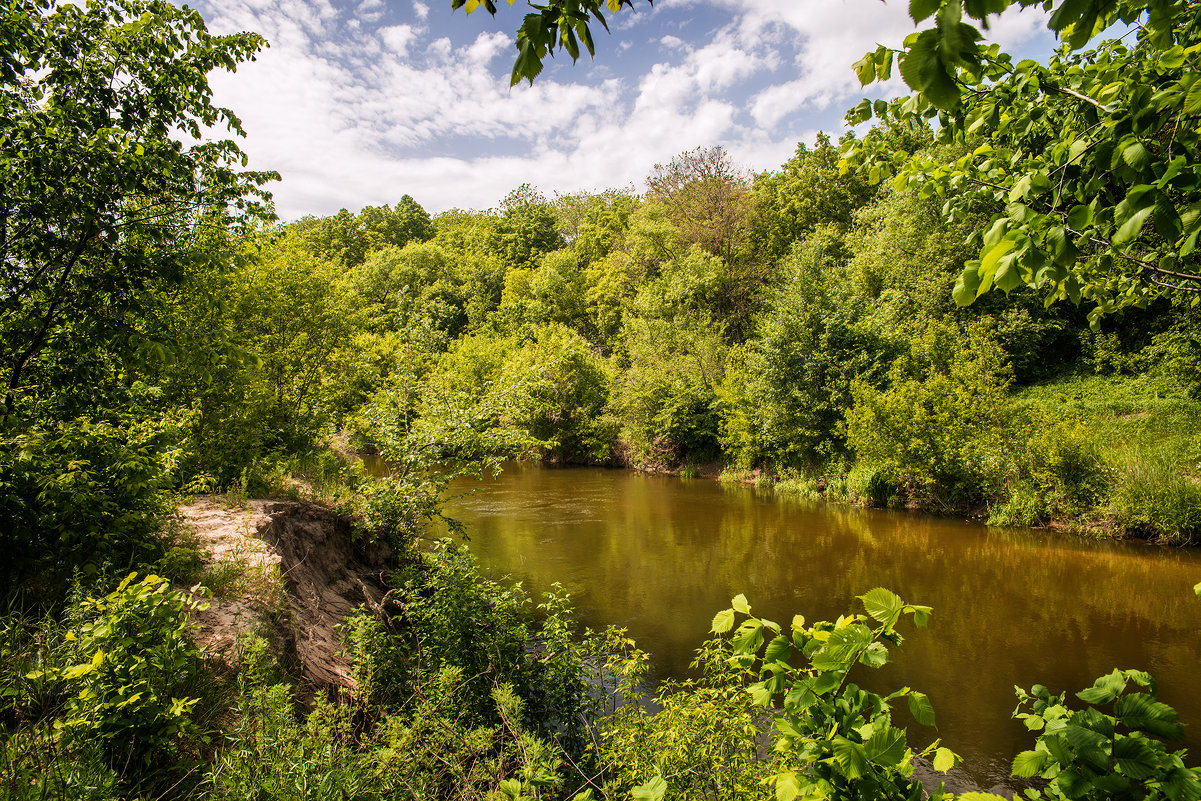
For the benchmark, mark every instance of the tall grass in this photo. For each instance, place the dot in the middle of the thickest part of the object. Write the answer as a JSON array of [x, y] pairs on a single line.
[[1156, 498]]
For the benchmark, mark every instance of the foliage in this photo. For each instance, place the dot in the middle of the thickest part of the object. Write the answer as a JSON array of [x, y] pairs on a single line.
[[80, 494], [807, 191], [1156, 498], [1091, 754], [559, 23], [349, 238], [666, 399], [100, 199], [833, 739], [700, 737], [813, 342], [1081, 153], [134, 655], [110, 702], [935, 431]]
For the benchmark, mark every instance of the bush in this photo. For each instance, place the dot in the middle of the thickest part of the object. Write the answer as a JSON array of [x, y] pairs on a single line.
[[83, 493], [136, 666], [936, 430]]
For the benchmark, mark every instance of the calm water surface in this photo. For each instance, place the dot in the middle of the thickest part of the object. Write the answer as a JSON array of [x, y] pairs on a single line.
[[660, 555]]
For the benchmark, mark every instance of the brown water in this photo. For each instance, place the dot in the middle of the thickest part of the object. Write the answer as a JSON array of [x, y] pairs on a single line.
[[660, 555]]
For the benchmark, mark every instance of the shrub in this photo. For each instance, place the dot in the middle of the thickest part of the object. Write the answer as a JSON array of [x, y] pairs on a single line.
[[77, 494], [136, 666]]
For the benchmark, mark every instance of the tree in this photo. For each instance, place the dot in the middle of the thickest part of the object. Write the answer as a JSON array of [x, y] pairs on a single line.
[[1088, 161], [101, 193], [351, 238], [705, 196], [1089, 158]]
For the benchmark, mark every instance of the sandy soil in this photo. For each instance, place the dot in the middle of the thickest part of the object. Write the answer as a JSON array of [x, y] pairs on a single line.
[[288, 571]]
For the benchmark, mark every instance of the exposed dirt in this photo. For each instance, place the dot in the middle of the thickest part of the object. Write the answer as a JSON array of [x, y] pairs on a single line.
[[292, 572]]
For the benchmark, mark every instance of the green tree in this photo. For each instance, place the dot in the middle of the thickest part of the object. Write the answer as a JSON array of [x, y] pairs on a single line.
[[99, 197]]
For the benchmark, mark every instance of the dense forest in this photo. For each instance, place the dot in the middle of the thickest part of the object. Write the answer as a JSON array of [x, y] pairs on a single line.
[[929, 315]]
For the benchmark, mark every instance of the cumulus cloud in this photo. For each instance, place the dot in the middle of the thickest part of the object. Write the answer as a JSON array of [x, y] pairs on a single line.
[[362, 102]]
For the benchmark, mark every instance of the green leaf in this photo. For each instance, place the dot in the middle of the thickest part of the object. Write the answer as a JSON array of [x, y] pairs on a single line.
[[1029, 763], [1136, 155], [883, 605], [923, 69], [967, 285], [748, 638], [921, 708], [865, 70], [778, 650], [1135, 758], [1131, 214], [886, 746], [760, 693], [723, 621], [944, 759], [1192, 99], [653, 790], [851, 757], [740, 604], [1080, 217], [1104, 689], [922, 9], [1009, 276], [1197, 589], [1141, 712], [1090, 747], [787, 788], [1167, 222]]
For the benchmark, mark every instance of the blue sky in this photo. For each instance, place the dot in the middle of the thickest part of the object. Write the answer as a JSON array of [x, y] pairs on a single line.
[[358, 102]]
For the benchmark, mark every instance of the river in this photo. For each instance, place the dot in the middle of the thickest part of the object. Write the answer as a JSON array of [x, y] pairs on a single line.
[[660, 555]]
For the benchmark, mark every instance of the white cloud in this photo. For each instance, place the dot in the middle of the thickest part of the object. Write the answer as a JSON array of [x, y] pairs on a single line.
[[397, 38], [352, 113]]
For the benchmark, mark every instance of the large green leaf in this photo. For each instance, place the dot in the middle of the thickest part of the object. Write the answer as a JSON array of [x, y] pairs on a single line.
[[653, 790], [1140, 712], [921, 708], [967, 285], [1132, 213], [1104, 689], [1135, 758], [921, 9], [944, 759], [923, 69], [886, 747], [851, 757], [1029, 763], [882, 604], [786, 786]]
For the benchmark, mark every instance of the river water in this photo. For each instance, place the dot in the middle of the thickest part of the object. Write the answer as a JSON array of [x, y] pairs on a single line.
[[661, 555]]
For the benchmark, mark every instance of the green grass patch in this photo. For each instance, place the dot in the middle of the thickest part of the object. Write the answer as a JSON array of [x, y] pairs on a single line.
[[1150, 415]]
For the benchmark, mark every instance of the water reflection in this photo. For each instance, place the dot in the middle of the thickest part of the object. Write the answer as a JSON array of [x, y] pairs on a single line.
[[660, 556]]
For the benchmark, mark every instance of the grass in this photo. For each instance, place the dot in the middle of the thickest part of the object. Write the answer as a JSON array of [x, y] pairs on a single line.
[[1145, 429], [1151, 414]]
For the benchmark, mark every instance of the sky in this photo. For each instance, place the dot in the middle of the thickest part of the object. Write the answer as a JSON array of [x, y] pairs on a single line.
[[359, 102]]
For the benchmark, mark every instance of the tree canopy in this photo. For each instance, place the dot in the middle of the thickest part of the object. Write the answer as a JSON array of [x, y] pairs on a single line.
[[105, 182], [1087, 160]]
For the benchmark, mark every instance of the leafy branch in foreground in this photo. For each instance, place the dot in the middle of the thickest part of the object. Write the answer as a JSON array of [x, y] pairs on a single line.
[[559, 24], [839, 736], [1089, 754], [1087, 162]]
